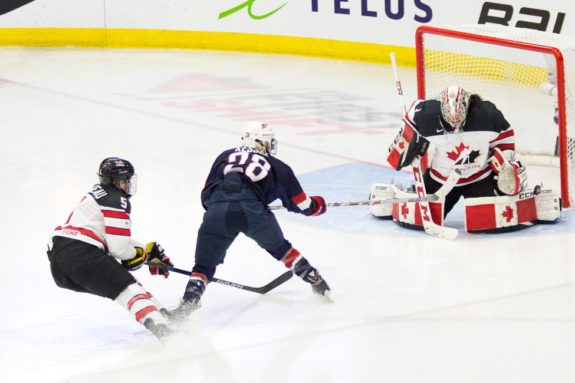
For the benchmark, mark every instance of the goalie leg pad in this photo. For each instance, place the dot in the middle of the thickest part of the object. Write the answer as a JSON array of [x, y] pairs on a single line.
[[503, 213], [548, 205], [408, 214], [381, 192]]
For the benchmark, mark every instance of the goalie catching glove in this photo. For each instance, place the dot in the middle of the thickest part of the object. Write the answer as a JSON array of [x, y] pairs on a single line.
[[153, 254], [510, 175]]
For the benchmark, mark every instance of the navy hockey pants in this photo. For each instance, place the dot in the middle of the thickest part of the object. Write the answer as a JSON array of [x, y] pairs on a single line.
[[234, 208]]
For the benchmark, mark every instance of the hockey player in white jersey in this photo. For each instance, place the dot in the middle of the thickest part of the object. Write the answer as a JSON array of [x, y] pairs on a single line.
[[460, 130], [93, 251]]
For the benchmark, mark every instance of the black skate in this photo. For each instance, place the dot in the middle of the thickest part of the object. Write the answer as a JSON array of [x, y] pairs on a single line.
[[321, 288], [184, 310], [318, 284]]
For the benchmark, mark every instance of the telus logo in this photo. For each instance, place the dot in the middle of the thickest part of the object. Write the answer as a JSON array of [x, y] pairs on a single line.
[[248, 4]]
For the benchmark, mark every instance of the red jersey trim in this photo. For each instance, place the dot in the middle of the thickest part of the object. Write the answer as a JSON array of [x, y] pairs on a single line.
[[115, 214], [86, 232], [118, 231], [299, 198], [462, 181]]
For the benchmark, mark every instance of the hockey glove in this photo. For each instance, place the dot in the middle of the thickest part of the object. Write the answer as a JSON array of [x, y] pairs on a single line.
[[406, 146], [157, 256], [318, 206], [136, 261], [510, 175]]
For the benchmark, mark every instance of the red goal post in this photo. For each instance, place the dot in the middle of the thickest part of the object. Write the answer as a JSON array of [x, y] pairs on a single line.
[[511, 67]]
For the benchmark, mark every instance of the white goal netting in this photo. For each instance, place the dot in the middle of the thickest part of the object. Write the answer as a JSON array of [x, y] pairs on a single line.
[[511, 68]]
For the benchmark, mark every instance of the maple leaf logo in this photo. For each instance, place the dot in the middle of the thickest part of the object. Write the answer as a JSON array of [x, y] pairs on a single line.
[[404, 210], [454, 154], [508, 213]]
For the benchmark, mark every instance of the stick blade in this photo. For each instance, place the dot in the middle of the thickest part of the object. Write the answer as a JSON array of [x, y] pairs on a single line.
[[442, 232], [276, 282]]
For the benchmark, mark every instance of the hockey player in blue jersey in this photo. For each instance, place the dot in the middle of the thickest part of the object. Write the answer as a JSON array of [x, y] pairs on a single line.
[[240, 185]]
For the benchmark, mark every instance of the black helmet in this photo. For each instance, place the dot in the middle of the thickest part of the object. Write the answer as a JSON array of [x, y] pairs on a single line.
[[114, 169]]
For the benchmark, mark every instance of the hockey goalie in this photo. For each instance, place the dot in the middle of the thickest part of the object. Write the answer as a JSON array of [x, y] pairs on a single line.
[[464, 148]]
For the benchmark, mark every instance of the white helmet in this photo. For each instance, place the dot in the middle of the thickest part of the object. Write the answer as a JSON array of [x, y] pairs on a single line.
[[454, 105], [259, 135]]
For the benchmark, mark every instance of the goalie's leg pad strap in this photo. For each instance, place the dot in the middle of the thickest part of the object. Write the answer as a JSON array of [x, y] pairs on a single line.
[[409, 213]]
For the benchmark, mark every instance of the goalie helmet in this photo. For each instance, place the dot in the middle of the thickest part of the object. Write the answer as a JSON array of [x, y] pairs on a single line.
[[454, 106], [259, 135], [114, 169]]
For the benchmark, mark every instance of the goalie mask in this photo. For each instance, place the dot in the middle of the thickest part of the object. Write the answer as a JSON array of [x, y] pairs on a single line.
[[454, 106], [259, 135], [114, 169]]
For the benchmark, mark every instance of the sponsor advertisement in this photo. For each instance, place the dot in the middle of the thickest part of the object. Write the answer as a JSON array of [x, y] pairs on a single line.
[[382, 22]]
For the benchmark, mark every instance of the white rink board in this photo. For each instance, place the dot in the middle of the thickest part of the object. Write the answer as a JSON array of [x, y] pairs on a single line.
[[370, 21]]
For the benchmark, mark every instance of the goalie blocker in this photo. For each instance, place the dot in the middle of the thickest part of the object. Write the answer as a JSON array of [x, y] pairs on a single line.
[[406, 146]]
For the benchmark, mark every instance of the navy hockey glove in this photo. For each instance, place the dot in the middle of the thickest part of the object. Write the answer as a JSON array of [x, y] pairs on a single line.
[[136, 261], [157, 256], [318, 206]]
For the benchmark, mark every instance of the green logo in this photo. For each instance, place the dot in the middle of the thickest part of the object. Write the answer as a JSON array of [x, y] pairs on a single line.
[[248, 4]]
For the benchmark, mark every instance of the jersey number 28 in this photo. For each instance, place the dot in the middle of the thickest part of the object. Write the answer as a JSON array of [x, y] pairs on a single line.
[[254, 166]]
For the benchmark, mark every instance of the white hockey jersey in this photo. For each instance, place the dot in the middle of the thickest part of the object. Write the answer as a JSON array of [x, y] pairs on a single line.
[[484, 129], [102, 219]]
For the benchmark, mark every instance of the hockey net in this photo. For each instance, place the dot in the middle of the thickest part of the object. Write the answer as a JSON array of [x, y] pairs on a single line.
[[511, 68]]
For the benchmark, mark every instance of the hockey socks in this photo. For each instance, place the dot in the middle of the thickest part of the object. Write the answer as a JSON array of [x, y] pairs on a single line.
[[144, 308]]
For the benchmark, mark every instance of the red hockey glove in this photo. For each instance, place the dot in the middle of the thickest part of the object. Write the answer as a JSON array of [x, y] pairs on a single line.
[[320, 206], [157, 256]]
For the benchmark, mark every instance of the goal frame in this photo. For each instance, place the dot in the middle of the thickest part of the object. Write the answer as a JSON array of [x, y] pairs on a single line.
[[513, 44]]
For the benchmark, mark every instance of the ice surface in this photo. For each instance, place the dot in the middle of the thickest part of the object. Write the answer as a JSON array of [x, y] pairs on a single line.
[[406, 307]]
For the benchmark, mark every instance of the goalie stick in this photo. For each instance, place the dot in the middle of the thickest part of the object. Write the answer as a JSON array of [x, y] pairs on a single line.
[[429, 226], [260, 290]]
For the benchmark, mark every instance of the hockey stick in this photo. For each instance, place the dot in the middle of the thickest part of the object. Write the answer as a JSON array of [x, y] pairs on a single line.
[[432, 197], [260, 290], [429, 226]]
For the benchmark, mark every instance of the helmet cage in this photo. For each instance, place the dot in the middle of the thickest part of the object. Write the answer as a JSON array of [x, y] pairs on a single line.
[[454, 106]]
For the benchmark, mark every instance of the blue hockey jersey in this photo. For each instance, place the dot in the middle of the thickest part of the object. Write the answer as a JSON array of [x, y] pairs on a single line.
[[268, 176]]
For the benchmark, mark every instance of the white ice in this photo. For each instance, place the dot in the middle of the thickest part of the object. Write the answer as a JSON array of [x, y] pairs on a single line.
[[406, 307]]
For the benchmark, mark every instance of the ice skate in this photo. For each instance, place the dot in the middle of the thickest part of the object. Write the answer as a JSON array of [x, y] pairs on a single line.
[[160, 330], [190, 301], [318, 284], [184, 310]]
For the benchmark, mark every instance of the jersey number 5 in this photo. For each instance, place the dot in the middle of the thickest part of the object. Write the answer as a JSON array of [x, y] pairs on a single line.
[[254, 166]]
